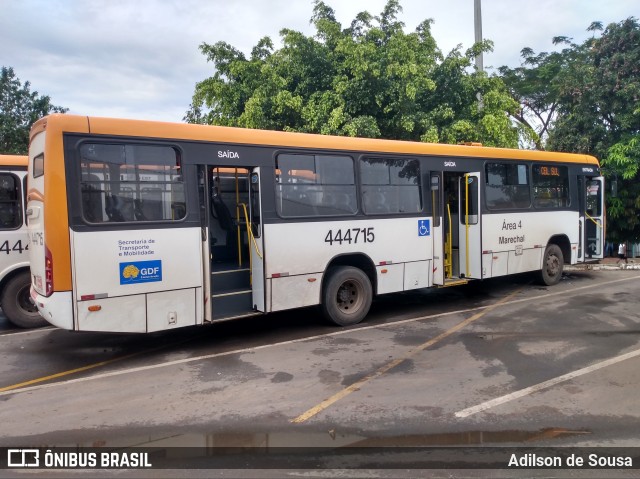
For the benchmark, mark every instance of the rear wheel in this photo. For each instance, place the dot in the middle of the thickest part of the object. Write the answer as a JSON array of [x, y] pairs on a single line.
[[552, 265], [347, 295], [16, 302]]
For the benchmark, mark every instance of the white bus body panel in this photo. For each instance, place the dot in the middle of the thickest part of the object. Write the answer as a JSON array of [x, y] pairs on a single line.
[[297, 253], [515, 242], [143, 280], [57, 308], [304, 290]]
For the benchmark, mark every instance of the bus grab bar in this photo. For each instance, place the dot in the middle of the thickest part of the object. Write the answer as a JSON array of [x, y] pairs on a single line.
[[595, 220], [249, 231]]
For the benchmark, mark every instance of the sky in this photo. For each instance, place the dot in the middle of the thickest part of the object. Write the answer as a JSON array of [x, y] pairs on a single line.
[[141, 58]]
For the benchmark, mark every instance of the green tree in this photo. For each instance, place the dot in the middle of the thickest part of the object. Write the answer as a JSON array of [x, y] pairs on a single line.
[[599, 114], [536, 85], [20, 108], [584, 99], [370, 79]]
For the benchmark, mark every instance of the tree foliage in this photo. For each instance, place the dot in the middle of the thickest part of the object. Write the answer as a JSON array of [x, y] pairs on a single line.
[[370, 79], [585, 99], [600, 114], [20, 108]]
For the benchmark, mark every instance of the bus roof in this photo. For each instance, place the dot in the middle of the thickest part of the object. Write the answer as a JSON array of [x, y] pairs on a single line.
[[14, 160], [244, 136]]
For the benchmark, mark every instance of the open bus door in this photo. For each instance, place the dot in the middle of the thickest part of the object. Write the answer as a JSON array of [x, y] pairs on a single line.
[[437, 230], [256, 241], [469, 226], [236, 260], [592, 219]]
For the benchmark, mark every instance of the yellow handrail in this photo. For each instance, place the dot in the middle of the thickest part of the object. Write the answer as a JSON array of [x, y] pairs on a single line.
[[448, 263], [596, 221], [249, 232]]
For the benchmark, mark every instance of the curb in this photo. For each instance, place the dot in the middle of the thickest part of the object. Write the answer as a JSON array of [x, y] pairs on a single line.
[[601, 267]]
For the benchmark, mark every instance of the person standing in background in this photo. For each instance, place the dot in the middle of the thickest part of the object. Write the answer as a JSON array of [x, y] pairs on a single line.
[[622, 253]]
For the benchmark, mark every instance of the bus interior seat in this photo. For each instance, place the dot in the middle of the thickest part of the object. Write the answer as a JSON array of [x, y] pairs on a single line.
[[343, 202], [137, 210], [113, 205], [376, 203], [221, 212]]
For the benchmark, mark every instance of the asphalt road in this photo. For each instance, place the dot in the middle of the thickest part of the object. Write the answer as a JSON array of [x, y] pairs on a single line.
[[496, 364]]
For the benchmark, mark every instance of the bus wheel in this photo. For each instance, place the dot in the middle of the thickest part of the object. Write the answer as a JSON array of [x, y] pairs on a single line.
[[552, 265], [347, 295], [16, 303]]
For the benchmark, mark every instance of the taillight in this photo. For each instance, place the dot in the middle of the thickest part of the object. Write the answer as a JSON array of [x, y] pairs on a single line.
[[48, 271]]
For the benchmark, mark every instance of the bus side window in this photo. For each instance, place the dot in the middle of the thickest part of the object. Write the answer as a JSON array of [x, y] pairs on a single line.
[[390, 185]]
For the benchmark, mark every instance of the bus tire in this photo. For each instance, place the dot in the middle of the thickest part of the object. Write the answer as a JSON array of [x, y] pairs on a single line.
[[552, 265], [16, 302], [347, 295]]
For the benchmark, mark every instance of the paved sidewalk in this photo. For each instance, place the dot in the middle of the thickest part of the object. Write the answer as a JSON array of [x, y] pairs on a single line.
[[612, 263]]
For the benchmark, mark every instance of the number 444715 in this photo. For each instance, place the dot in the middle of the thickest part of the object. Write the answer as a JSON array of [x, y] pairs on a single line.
[[350, 236], [16, 247]]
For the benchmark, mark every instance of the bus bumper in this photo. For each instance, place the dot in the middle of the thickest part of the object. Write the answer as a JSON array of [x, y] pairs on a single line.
[[56, 309]]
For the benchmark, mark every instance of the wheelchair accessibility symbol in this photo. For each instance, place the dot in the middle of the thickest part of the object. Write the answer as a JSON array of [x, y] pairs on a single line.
[[424, 228]]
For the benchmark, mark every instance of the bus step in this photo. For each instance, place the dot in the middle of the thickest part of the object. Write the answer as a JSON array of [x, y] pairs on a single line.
[[223, 281], [231, 292], [232, 303], [453, 282], [228, 266]]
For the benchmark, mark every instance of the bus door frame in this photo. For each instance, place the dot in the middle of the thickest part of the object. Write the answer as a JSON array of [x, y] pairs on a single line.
[[203, 192], [591, 245], [256, 243], [470, 226], [437, 205]]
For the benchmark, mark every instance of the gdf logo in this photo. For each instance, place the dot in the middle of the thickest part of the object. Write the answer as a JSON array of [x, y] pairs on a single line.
[[140, 272]]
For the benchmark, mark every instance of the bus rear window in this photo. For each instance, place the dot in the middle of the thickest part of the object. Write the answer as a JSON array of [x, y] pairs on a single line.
[[130, 183]]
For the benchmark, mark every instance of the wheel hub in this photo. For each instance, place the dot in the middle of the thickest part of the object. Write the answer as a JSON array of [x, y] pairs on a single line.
[[344, 294]]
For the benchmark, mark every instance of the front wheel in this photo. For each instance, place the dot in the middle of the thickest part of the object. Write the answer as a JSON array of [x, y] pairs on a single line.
[[347, 295], [552, 265], [16, 303]]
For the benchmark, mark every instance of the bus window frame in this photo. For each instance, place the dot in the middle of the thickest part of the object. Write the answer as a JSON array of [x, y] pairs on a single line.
[[485, 184], [419, 186], [38, 166], [315, 153], [129, 142]]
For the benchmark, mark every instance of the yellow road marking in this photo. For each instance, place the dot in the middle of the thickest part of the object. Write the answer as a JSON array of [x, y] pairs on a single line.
[[66, 373], [87, 367], [376, 374]]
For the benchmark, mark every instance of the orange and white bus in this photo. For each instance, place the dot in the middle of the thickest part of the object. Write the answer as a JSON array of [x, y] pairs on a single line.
[[139, 226], [14, 243]]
